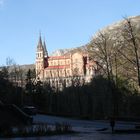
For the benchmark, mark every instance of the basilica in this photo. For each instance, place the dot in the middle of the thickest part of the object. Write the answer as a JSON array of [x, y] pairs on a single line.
[[60, 71]]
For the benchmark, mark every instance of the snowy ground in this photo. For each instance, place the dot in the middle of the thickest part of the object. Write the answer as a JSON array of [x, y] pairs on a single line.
[[87, 130]]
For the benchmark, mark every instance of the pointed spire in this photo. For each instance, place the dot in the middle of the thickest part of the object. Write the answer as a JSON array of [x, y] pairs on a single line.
[[40, 40], [40, 46], [45, 49]]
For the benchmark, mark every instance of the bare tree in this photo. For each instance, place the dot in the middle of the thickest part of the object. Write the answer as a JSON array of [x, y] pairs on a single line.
[[130, 50], [101, 48]]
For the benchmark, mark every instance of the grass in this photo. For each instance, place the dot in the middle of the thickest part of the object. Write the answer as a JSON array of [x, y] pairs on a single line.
[[35, 130]]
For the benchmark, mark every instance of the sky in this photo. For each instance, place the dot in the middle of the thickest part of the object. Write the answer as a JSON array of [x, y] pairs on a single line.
[[62, 24]]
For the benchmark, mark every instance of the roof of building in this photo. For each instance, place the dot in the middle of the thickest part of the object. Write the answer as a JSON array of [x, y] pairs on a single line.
[[58, 67]]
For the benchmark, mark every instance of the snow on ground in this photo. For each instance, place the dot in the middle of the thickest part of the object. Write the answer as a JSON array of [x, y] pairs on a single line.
[[87, 130]]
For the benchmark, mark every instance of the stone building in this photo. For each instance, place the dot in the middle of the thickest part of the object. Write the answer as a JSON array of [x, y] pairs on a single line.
[[60, 71]]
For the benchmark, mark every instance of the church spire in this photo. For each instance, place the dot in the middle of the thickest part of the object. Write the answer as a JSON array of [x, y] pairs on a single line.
[[40, 46], [45, 50]]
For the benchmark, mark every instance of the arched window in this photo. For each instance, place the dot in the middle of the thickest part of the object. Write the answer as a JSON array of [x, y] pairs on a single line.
[[75, 71]]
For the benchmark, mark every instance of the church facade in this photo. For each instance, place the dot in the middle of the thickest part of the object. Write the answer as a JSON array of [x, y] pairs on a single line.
[[60, 71]]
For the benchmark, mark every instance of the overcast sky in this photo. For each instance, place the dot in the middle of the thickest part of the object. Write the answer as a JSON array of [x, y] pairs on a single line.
[[62, 23]]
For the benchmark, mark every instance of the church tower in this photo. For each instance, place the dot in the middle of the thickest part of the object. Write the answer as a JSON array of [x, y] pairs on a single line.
[[40, 60]]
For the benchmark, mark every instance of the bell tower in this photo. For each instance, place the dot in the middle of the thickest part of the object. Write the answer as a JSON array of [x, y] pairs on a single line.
[[40, 60]]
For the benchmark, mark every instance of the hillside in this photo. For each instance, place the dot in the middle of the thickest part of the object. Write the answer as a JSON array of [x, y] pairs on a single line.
[[115, 28], [67, 51]]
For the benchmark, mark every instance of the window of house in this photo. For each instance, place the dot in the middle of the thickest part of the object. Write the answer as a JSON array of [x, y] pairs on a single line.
[[61, 62]]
